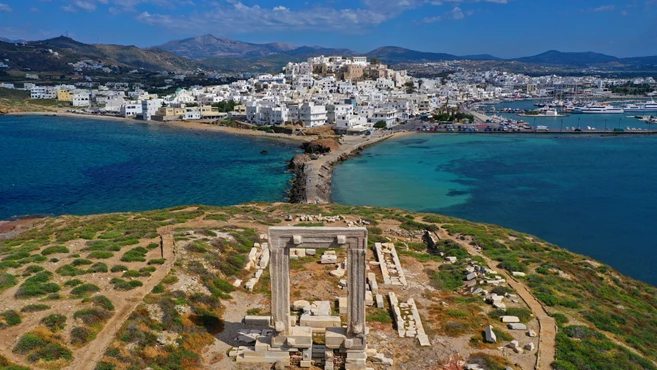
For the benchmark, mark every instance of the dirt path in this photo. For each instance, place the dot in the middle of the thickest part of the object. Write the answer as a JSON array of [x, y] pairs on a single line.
[[89, 356], [546, 351]]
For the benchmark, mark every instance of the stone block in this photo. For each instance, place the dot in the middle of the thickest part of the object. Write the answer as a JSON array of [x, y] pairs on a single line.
[[343, 305], [531, 333], [311, 252], [517, 326], [379, 301], [299, 305], [320, 308], [320, 322], [489, 335], [369, 299], [258, 273], [306, 363], [328, 259], [424, 340], [508, 319], [300, 337], [450, 259], [301, 252], [518, 274], [257, 320], [250, 284], [530, 346], [335, 337], [338, 273]]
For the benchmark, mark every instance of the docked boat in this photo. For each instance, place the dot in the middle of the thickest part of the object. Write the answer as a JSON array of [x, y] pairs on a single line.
[[634, 108], [651, 106], [601, 109]]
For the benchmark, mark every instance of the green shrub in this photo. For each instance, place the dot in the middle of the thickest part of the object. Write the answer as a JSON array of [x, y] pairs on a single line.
[[68, 270], [158, 289], [54, 322], [73, 282], [84, 289], [81, 336], [448, 278], [105, 366], [98, 267], [9, 318], [119, 268], [157, 261], [35, 308], [379, 315], [29, 342], [170, 279], [120, 284], [561, 319], [55, 249], [32, 269], [7, 281], [153, 245], [135, 255], [81, 261], [103, 302], [54, 296], [51, 352], [131, 274], [100, 255], [92, 316], [37, 285], [223, 285]]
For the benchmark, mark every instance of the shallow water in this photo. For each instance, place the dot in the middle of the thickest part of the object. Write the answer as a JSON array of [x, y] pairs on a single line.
[[591, 195]]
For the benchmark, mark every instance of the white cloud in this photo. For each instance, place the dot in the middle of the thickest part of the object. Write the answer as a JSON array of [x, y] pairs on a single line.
[[454, 14], [242, 18], [604, 8], [5, 8], [34, 10]]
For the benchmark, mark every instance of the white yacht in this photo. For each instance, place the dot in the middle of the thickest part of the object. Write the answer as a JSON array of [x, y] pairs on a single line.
[[633, 108], [650, 105], [601, 109]]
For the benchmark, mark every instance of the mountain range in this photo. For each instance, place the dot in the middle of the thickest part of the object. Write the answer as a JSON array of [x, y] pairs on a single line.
[[209, 47], [216, 53]]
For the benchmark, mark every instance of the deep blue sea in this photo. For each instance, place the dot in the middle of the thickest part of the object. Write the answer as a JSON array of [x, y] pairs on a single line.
[[592, 195], [57, 165]]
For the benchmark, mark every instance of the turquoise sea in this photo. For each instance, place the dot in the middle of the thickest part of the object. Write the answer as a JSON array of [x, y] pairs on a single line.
[[592, 195], [57, 165]]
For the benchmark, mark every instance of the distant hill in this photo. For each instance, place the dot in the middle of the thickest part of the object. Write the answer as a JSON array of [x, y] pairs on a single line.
[[395, 54], [37, 56], [309, 51], [209, 46], [554, 57], [4, 39], [480, 57]]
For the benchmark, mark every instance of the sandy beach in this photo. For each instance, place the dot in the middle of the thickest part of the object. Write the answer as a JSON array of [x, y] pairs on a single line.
[[202, 125]]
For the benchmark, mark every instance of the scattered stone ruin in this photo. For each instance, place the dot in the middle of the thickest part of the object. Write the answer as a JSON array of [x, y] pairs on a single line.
[[280, 338]]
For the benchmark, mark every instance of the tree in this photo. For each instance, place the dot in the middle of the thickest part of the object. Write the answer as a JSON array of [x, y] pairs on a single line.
[[381, 124], [374, 61]]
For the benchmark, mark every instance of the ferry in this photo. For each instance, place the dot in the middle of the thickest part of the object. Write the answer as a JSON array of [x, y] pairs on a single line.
[[648, 106]]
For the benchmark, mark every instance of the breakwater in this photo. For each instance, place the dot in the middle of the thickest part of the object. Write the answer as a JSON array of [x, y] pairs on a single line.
[[313, 171]]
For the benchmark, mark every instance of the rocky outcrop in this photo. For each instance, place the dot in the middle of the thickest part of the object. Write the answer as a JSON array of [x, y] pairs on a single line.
[[321, 146], [298, 167]]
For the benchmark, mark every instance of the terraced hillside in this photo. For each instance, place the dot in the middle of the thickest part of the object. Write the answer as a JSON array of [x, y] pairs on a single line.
[[158, 289]]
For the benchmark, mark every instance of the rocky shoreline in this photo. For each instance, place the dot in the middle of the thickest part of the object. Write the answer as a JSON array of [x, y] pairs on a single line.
[[313, 172]]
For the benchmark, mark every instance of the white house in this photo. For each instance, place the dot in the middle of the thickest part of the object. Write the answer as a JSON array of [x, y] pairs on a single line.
[[192, 113], [43, 92], [312, 115], [81, 98], [149, 107]]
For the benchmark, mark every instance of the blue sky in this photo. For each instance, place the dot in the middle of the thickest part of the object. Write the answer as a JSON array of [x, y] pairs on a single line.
[[505, 28]]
